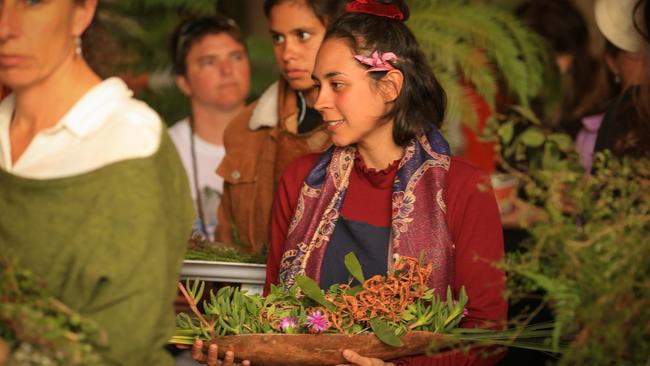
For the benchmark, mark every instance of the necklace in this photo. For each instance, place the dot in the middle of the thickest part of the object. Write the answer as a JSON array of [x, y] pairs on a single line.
[[195, 174]]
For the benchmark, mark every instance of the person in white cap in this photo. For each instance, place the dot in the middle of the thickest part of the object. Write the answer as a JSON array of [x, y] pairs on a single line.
[[623, 130], [616, 22]]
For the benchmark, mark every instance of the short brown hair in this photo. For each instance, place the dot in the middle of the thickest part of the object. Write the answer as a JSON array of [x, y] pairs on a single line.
[[192, 29]]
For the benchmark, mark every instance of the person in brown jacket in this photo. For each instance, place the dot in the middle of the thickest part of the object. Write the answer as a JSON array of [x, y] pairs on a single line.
[[278, 127]]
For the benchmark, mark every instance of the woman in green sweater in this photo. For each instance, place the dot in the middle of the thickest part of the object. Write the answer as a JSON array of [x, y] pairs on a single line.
[[93, 198]]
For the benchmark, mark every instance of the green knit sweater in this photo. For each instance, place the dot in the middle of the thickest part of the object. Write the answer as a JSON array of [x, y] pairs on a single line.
[[109, 244]]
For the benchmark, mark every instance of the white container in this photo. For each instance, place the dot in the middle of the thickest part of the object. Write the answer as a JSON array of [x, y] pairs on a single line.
[[228, 272]]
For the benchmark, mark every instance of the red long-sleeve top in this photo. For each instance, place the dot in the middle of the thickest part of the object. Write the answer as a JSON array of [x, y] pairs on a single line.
[[474, 224]]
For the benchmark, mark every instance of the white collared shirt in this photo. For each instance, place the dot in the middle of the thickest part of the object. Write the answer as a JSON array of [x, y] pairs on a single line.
[[105, 126]]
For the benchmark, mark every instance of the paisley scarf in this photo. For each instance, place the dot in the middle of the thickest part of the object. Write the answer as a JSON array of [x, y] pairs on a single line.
[[418, 220]]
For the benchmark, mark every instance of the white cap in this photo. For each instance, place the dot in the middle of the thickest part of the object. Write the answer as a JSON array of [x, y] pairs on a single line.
[[615, 21]]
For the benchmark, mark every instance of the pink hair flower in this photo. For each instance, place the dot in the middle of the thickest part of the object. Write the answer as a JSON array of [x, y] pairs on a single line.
[[378, 61], [317, 322]]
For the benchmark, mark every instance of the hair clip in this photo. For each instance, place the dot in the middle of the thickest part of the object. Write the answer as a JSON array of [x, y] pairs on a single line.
[[375, 7], [377, 62]]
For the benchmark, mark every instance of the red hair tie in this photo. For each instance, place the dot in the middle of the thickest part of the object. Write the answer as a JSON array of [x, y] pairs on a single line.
[[375, 7]]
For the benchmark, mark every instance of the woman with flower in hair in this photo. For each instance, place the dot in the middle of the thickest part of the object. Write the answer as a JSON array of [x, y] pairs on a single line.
[[388, 187]]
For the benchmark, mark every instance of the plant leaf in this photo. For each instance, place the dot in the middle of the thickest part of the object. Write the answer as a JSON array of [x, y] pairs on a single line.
[[527, 113], [533, 137], [311, 289], [563, 141], [385, 332], [354, 267], [506, 131]]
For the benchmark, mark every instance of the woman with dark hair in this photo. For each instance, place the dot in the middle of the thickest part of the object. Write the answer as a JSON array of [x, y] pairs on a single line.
[[277, 128], [583, 87], [388, 187], [273, 131], [212, 68], [93, 196]]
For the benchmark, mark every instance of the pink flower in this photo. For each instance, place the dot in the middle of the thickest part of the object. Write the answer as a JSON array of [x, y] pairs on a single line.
[[317, 322], [288, 323], [378, 61]]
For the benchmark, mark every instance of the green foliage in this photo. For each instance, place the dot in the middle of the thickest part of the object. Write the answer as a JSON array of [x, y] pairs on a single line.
[[142, 28], [526, 147], [39, 329], [223, 254], [201, 249], [589, 254], [479, 45], [232, 312], [588, 250]]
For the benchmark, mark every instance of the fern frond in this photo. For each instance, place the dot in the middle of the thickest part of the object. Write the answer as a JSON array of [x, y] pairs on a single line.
[[478, 45]]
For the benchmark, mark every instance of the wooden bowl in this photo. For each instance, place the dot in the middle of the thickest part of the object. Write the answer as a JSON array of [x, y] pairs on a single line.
[[318, 349]]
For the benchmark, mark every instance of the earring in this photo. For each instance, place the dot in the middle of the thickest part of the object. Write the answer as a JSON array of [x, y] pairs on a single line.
[[78, 49], [617, 79]]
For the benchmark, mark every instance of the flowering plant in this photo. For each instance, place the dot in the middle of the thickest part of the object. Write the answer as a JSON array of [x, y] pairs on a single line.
[[388, 306]]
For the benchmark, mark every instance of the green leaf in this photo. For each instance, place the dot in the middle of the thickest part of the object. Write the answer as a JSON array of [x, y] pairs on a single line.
[[409, 312], [385, 332], [354, 267], [528, 114], [506, 131], [563, 141], [311, 289], [252, 307], [533, 137], [462, 299]]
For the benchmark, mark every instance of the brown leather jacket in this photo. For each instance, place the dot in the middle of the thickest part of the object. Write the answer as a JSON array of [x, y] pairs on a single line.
[[256, 155]]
